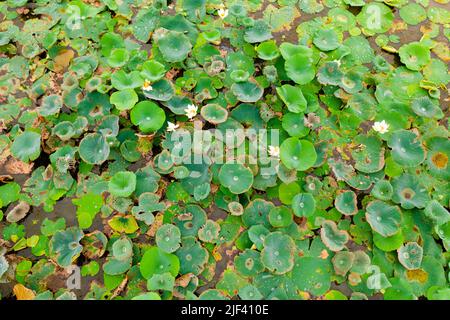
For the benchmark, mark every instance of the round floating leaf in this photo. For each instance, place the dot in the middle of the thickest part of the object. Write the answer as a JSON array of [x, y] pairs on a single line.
[[190, 221], [156, 261], [300, 69], [209, 232], [65, 246], [250, 292], [148, 116], [400, 289], [293, 98], [257, 212], [122, 184], [164, 281], [414, 55], [413, 13], [436, 212], [162, 90], [409, 192], [369, 156], [214, 113], [346, 203], [342, 262], [407, 150], [361, 262], [247, 91], [383, 218], [193, 257], [174, 46], [278, 253], [375, 17], [425, 107], [236, 177], [268, 50], [280, 217], [152, 70], [50, 105], [27, 146], [382, 190], [326, 40], [312, 274], [94, 149], [259, 32], [438, 157], [298, 154], [330, 73], [124, 99], [239, 75], [332, 237], [118, 57], [124, 81], [168, 238], [248, 263], [294, 124], [389, 243], [257, 234], [304, 205], [410, 255]]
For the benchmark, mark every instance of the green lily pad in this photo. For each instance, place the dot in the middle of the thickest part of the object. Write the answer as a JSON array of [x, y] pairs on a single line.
[[293, 98], [174, 46], [155, 261], [298, 154], [94, 149], [247, 91], [407, 150], [414, 55], [65, 246], [346, 203], [410, 255], [409, 192], [383, 218], [332, 237], [168, 238], [304, 205], [27, 146], [148, 116], [122, 184], [236, 177], [214, 113], [278, 253]]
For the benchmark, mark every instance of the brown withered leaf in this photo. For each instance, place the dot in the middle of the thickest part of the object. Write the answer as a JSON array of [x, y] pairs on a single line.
[[14, 166]]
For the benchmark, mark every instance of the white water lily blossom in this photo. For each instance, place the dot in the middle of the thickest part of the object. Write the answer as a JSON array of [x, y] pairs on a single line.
[[191, 111], [223, 13], [381, 127], [172, 126], [274, 151], [146, 86]]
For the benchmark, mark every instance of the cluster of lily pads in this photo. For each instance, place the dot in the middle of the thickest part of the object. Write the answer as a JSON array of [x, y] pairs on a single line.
[[92, 193]]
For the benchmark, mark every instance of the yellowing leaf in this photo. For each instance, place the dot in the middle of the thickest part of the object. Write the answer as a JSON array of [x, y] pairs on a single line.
[[23, 293]]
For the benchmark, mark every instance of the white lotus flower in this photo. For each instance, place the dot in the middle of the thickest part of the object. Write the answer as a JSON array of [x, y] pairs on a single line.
[[147, 86], [381, 126], [171, 126], [223, 13], [191, 111], [274, 151]]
